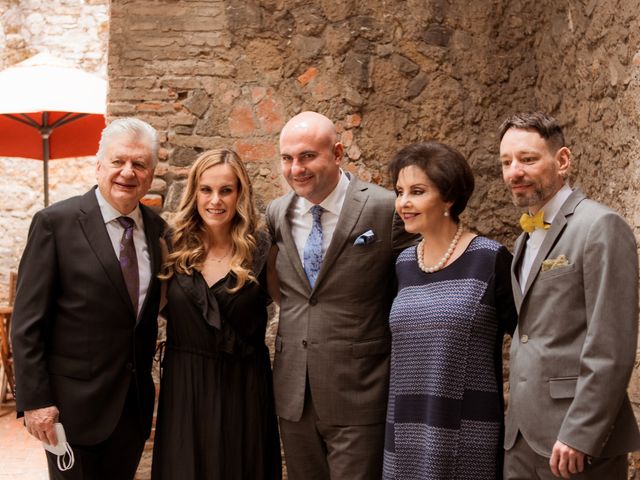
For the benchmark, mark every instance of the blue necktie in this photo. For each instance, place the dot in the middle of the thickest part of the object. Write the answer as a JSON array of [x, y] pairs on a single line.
[[313, 247], [129, 260]]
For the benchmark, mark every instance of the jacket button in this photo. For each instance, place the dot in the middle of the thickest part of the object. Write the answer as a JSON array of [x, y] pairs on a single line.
[[129, 366], [313, 301], [304, 343], [524, 338]]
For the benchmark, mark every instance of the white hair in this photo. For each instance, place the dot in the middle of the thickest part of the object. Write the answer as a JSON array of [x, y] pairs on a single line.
[[133, 128]]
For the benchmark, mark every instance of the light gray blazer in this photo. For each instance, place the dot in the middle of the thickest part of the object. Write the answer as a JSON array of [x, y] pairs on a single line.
[[574, 348], [337, 333]]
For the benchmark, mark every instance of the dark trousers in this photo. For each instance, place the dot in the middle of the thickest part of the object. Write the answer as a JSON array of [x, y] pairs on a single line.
[[315, 450], [116, 458], [522, 463]]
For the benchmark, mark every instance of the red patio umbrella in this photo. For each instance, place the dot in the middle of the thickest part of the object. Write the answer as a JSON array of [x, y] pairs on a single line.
[[50, 110]]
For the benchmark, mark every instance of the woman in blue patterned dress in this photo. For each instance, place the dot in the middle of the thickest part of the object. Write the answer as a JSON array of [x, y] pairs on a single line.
[[454, 303]]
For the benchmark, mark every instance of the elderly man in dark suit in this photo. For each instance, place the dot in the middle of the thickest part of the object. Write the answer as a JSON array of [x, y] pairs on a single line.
[[85, 316], [575, 284], [338, 240]]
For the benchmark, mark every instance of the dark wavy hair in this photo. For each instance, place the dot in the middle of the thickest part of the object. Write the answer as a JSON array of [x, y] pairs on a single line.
[[444, 166]]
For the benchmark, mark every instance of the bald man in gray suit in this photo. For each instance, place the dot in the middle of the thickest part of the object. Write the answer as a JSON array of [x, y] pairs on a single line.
[[338, 239]]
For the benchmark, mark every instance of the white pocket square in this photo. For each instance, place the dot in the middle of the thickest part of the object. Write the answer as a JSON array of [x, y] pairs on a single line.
[[365, 239]]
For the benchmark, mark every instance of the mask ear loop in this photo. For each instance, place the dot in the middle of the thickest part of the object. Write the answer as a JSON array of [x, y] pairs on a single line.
[[66, 460]]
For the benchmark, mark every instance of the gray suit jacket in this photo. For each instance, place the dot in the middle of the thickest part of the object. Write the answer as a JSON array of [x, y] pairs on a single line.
[[337, 333], [574, 348]]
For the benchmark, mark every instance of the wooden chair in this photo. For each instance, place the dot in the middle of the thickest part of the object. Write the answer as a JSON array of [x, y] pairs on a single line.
[[7, 380]]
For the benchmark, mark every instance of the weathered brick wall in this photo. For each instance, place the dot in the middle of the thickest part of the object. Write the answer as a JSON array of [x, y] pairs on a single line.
[[73, 29], [229, 73]]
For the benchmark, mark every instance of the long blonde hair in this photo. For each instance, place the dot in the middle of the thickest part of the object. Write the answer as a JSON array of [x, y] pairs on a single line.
[[189, 231]]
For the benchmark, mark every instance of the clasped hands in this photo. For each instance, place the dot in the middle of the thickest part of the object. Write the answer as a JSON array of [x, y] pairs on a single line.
[[565, 460], [40, 423]]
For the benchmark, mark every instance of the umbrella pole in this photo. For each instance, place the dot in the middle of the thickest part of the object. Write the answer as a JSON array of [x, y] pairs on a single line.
[[45, 132]]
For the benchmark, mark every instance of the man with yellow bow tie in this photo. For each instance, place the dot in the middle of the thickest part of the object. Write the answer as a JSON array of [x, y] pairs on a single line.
[[575, 284]]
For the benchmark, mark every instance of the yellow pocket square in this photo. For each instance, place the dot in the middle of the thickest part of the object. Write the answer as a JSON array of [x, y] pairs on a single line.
[[551, 263]]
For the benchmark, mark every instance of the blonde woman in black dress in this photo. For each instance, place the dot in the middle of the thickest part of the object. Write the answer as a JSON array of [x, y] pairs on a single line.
[[216, 417]]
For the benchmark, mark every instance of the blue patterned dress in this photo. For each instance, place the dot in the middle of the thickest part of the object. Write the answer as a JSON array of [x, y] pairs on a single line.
[[445, 412]]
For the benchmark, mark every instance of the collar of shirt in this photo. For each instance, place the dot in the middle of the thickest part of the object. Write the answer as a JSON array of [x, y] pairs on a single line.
[[534, 242], [333, 202], [550, 209], [109, 214]]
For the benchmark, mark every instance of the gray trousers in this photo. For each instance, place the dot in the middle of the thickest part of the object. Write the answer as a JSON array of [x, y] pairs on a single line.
[[314, 450], [522, 463]]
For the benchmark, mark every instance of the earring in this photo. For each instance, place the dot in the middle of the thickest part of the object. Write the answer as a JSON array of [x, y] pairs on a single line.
[[446, 213]]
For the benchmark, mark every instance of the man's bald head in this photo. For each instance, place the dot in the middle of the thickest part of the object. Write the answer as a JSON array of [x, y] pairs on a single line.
[[311, 123], [311, 155]]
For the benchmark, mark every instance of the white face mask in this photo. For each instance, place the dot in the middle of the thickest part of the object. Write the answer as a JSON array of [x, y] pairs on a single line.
[[62, 450]]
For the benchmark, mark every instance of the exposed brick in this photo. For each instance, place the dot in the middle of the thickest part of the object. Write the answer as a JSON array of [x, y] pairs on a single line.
[[351, 168], [158, 185], [354, 152], [257, 94], [163, 154], [307, 76], [346, 138], [230, 95], [270, 115], [153, 200], [252, 151], [162, 167], [241, 120], [197, 103], [352, 121]]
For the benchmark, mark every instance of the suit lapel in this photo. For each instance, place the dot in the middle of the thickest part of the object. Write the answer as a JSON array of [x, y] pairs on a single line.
[[515, 269], [287, 238], [550, 239], [95, 231], [355, 200], [152, 232]]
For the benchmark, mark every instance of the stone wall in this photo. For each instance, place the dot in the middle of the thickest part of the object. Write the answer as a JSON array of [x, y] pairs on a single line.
[[229, 73], [77, 31]]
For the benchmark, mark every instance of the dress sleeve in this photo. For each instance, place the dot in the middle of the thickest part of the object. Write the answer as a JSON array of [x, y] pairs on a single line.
[[505, 306]]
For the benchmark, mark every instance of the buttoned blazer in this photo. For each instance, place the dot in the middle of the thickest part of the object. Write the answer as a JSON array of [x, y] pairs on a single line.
[[574, 347], [337, 333], [77, 341]]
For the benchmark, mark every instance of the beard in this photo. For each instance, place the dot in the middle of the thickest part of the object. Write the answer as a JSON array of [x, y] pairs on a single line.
[[539, 196], [523, 200]]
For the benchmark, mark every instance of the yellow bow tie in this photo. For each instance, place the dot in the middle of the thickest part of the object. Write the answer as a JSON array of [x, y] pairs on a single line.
[[530, 222]]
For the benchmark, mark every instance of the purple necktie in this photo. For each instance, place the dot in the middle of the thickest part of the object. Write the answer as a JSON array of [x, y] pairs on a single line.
[[129, 260]]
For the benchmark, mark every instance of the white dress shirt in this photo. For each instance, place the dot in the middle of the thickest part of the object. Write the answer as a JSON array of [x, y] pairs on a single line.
[[115, 231], [550, 209], [301, 221]]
